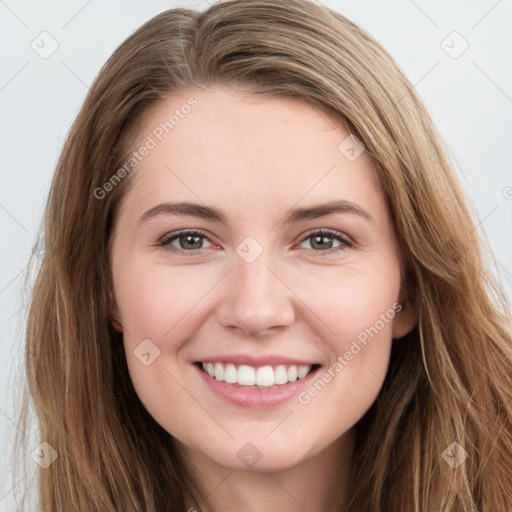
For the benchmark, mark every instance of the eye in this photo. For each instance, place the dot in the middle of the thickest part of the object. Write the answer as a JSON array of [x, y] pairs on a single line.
[[191, 241], [321, 241], [188, 239]]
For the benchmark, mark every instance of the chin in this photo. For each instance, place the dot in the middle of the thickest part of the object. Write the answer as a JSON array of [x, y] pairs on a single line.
[[257, 456]]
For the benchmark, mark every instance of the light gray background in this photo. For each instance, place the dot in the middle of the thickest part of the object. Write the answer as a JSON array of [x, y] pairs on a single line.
[[469, 98]]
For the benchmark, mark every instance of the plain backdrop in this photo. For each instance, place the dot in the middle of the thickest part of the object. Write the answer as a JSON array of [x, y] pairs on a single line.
[[456, 54]]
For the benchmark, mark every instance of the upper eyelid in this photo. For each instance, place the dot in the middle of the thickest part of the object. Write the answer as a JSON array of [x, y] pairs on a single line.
[[175, 234]]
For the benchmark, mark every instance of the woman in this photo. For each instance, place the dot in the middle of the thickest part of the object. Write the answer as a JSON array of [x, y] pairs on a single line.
[[331, 341]]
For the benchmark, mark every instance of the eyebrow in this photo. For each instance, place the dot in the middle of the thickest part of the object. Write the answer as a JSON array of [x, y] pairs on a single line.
[[293, 215]]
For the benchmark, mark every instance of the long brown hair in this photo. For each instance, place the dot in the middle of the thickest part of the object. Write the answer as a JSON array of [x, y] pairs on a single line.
[[449, 380]]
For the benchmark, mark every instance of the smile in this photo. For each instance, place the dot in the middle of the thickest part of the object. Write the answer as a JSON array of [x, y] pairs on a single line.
[[256, 382], [262, 376]]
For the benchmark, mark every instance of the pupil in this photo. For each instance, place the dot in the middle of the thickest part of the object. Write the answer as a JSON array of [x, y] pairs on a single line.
[[191, 237], [322, 239]]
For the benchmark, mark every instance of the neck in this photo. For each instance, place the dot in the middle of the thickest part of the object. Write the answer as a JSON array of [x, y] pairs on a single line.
[[318, 482]]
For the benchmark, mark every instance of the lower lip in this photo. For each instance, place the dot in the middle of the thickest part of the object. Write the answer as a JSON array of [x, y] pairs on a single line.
[[255, 398]]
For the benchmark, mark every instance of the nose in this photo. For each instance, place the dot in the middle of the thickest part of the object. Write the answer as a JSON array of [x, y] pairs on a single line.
[[256, 299]]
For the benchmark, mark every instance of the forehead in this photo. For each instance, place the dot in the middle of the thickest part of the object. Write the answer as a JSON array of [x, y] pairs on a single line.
[[230, 147]]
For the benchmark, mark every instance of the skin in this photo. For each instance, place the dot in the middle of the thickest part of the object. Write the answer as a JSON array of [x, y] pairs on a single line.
[[254, 159]]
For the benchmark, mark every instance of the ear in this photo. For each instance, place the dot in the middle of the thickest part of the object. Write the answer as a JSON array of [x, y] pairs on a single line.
[[406, 318], [114, 314]]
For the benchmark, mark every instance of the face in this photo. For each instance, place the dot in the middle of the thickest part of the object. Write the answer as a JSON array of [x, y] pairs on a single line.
[[292, 306]]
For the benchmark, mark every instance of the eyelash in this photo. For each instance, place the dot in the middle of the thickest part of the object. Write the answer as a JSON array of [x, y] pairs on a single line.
[[167, 239]]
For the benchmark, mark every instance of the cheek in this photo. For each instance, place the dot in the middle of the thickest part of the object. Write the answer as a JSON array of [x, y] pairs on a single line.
[[350, 301], [155, 301], [160, 307], [355, 315]]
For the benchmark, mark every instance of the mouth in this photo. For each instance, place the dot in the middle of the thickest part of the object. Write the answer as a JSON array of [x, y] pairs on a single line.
[[256, 377], [256, 382]]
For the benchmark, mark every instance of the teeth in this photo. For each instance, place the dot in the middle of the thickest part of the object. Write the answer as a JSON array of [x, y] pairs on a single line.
[[246, 375], [303, 371], [230, 374], [280, 375], [264, 376], [219, 371], [292, 374]]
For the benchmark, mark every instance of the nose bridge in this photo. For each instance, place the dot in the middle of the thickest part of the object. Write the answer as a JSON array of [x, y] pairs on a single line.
[[255, 277], [257, 299]]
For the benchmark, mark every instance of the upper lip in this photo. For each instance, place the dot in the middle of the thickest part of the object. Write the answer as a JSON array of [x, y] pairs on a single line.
[[270, 360]]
